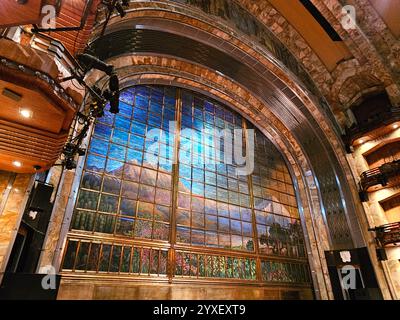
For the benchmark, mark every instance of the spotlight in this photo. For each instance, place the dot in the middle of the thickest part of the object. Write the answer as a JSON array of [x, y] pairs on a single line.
[[17, 163], [113, 97], [120, 9], [26, 113], [114, 103], [70, 164], [114, 83], [90, 62], [97, 109]]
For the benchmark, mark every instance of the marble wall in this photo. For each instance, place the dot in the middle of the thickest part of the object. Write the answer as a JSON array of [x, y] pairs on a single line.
[[11, 213], [113, 290]]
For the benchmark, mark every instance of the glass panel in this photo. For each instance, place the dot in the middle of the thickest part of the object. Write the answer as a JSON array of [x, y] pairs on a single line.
[[126, 258], [161, 231], [116, 258], [108, 203], [102, 131], [114, 168], [105, 257], [93, 257], [136, 261], [83, 220], [69, 258], [162, 213], [124, 227], [105, 223], [163, 262], [143, 229], [127, 207], [130, 189], [95, 163], [182, 235], [145, 260], [87, 200], [154, 261], [91, 181], [111, 185]]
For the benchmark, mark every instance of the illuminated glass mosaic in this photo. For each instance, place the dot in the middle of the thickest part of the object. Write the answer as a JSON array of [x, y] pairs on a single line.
[[189, 196]]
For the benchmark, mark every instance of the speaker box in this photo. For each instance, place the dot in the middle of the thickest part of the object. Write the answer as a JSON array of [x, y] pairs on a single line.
[[38, 210], [41, 195], [381, 254]]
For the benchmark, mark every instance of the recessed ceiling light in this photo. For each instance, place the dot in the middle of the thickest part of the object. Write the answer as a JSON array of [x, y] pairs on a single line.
[[26, 113], [395, 126], [17, 163], [361, 141]]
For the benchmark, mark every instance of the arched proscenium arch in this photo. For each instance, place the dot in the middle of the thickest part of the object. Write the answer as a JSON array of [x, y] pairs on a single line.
[[289, 99], [277, 86], [147, 69]]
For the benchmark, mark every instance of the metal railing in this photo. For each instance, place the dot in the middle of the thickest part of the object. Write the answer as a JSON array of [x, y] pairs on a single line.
[[387, 234], [374, 122], [380, 175]]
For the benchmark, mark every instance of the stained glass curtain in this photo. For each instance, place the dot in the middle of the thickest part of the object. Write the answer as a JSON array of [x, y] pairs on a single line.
[[136, 216]]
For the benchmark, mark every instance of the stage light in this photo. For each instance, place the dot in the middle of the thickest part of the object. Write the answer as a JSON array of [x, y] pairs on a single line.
[[70, 164], [90, 62], [81, 151], [26, 113], [120, 9], [17, 164], [114, 83], [114, 103]]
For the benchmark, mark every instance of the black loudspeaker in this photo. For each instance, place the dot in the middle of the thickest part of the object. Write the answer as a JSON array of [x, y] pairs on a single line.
[[41, 195], [38, 210], [27, 286], [381, 254]]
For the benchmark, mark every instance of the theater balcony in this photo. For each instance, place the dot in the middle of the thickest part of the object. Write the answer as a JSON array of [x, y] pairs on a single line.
[[386, 175], [388, 234], [38, 106], [373, 117]]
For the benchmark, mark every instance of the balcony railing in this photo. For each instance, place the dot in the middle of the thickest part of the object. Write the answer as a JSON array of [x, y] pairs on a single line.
[[372, 123], [376, 176], [387, 234]]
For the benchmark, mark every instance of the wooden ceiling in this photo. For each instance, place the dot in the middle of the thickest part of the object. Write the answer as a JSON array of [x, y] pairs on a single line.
[[36, 139], [13, 13], [41, 108]]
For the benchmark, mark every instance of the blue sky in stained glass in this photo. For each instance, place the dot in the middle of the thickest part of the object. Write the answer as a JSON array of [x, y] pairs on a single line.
[[99, 146], [102, 131]]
